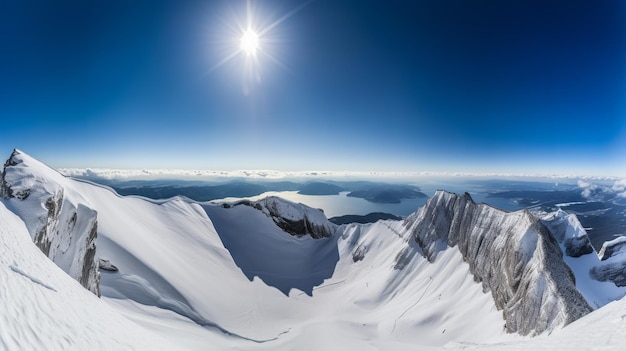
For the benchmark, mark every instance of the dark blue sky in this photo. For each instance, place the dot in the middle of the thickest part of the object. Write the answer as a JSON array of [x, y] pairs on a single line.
[[495, 86]]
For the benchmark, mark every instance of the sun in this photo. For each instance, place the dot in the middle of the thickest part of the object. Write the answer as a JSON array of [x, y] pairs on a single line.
[[252, 39], [249, 42]]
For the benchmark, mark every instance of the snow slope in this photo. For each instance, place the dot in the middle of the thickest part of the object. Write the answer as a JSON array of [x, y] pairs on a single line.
[[42, 308], [603, 329]]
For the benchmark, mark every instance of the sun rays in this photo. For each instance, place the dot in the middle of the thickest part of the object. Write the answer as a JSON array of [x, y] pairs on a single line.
[[249, 38]]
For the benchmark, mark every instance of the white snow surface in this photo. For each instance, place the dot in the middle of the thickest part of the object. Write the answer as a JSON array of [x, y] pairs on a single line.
[[55, 214], [570, 223], [42, 308], [231, 279]]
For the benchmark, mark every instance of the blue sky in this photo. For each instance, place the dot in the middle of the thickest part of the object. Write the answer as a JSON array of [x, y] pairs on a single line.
[[493, 86]]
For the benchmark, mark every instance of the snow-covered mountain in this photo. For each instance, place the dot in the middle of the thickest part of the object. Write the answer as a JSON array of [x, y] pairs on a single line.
[[278, 275], [42, 308], [512, 254], [56, 216]]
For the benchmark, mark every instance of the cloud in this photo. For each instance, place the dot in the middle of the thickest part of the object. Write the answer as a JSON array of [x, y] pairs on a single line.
[[593, 191], [620, 188], [584, 182], [590, 190]]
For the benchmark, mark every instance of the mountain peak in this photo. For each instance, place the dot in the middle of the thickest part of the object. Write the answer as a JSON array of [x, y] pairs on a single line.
[[60, 223], [512, 253]]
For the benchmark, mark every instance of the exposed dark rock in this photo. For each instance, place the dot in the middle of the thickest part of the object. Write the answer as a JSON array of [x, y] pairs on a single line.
[[89, 274], [614, 272], [578, 246], [403, 258], [513, 255], [106, 265], [610, 248], [296, 219], [359, 253], [5, 188]]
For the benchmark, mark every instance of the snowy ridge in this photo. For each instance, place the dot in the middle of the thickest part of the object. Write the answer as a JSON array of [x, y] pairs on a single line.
[[512, 254], [612, 248], [42, 308], [600, 276], [295, 218], [567, 230], [59, 222]]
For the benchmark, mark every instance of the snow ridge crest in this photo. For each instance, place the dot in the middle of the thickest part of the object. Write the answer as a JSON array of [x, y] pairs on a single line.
[[60, 223]]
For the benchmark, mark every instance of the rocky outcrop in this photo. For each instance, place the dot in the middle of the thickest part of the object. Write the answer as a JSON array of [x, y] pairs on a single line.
[[614, 272], [512, 254], [294, 218], [567, 230], [612, 248], [62, 227], [612, 265]]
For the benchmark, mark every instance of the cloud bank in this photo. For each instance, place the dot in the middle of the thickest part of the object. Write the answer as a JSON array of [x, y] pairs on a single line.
[[125, 174], [599, 192]]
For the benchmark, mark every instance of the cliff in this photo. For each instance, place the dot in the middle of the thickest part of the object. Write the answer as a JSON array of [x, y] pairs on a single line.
[[512, 254]]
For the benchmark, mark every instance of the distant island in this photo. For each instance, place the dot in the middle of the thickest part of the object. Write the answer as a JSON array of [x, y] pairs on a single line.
[[388, 194], [320, 188]]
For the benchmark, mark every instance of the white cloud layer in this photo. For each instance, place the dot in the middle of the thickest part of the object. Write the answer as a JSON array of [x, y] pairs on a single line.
[[123, 174], [620, 188], [593, 191]]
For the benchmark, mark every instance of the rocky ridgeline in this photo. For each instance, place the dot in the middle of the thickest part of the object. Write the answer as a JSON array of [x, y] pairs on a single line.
[[512, 254], [64, 229], [294, 218]]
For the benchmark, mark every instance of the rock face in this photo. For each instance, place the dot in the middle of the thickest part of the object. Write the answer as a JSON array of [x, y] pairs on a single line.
[[63, 227], [613, 271], [612, 248], [613, 262], [512, 254], [295, 218]]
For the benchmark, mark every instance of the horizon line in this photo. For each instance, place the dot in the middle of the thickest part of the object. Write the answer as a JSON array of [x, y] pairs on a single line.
[[171, 173]]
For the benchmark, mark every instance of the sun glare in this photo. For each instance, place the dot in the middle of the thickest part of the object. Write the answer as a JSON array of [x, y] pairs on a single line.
[[252, 38], [249, 42]]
